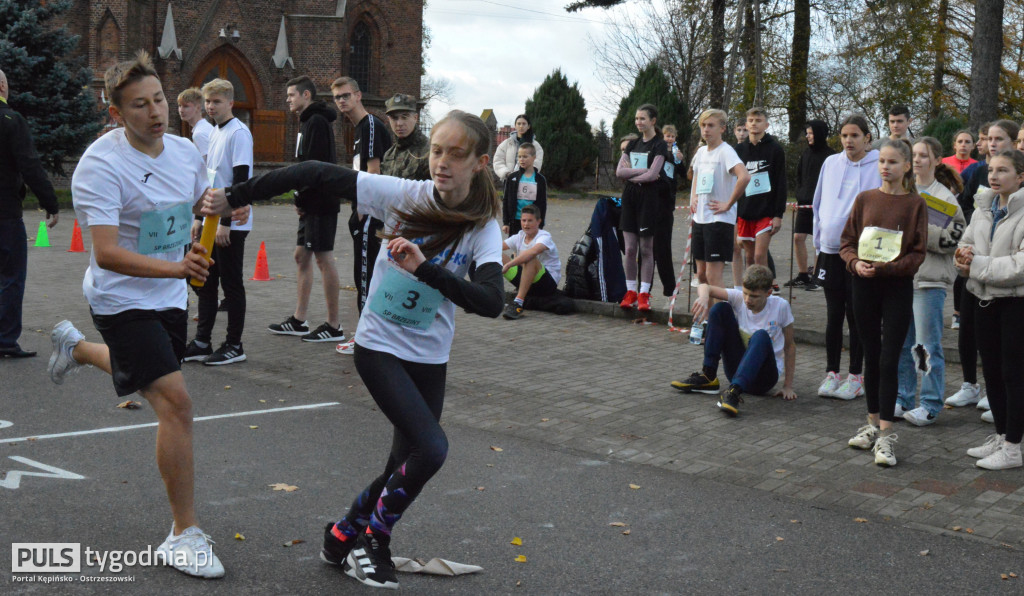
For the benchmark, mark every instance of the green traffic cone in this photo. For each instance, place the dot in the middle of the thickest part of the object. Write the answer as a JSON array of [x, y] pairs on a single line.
[[42, 239]]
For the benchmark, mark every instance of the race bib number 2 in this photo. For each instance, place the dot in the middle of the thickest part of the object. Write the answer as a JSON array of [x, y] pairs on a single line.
[[879, 245], [404, 300], [166, 229]]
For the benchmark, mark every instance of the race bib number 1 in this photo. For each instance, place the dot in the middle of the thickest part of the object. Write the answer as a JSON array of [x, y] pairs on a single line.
[[404, 300], [879, 245], [759, 184], [638, 160], [705, 181], [165, 230]]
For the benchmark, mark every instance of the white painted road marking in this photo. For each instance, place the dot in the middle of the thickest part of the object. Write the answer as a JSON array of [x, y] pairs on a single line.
[[5, 424], [117, 429], [13, 479]]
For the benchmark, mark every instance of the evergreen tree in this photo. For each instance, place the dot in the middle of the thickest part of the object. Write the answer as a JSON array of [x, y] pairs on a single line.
[[48, 86], [651, 86], [559, 120]]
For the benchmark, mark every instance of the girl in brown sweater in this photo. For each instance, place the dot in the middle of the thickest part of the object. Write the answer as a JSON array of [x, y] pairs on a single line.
[[883, 244]]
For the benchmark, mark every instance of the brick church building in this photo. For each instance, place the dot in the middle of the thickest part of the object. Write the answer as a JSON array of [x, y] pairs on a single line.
[[258, 45]]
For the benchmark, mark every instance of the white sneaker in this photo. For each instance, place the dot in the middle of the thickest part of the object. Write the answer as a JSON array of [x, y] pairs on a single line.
[[694, 282], [987, 417], [899, 412], [64, 338], [348, 348], [969, 394], [920, 416], [993, 443], [884, 454], [191, 553], [852, 387], [865, 437], [983, 402], [1005, 458], [829, 385]]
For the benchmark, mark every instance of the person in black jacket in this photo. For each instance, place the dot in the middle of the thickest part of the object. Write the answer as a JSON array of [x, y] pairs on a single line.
[[807, 172], [760, 210], [525, 186], [19, 165], [318, 217]]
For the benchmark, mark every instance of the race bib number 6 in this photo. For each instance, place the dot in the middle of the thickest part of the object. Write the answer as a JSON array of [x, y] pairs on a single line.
[[705, 181], [879, 245], [404, 300], [166, 229]]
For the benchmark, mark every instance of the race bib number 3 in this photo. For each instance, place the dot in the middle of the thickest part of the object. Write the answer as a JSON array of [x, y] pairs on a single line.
[[759, 184], [705, 181], [638, 160], [164, 230], [879, 245], [405, 301]]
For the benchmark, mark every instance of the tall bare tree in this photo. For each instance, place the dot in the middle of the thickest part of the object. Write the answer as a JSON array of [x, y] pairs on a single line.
[[986, 60], [796, 108]]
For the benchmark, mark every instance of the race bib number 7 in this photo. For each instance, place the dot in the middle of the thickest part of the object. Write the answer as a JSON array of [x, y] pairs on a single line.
[[638, 160], [166, 229], [404, 300], [879, 245]]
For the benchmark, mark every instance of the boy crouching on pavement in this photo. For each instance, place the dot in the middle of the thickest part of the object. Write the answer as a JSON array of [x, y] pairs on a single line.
[[752, 331], [536, 269]]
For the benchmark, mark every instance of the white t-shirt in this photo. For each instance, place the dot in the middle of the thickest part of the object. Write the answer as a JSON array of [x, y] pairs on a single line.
[[773, 318], [116, 185], [230, 146], [712, 169], [201, 136], [548, 258], [378, 196]]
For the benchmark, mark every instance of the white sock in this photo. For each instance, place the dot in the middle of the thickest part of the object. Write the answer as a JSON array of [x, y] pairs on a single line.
[[201, 344], [630, 285], [645, 288]]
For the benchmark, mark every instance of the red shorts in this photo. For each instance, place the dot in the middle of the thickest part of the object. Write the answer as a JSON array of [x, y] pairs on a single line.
[[749, 229]]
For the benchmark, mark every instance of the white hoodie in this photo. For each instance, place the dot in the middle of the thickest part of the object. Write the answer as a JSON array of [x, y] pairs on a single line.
[[839, 183]]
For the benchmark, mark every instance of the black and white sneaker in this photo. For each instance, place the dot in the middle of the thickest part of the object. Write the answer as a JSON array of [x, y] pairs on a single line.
[[335, 551], [225, 354], [193, 353], [370, 562], [291, 326], [325, 333]]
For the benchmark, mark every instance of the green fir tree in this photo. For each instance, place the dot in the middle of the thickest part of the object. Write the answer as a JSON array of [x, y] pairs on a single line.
[[651, 86], [559, 120], [49, 86]]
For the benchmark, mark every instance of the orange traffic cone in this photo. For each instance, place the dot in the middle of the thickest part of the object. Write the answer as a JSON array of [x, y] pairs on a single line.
[[262, 270], [76, 239]]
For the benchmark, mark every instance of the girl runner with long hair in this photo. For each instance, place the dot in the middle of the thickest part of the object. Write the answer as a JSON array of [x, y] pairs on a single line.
[[435, 230]]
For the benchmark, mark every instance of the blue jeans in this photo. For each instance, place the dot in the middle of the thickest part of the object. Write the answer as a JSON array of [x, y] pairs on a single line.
[[13, 268], [753, 367], [925, 329]]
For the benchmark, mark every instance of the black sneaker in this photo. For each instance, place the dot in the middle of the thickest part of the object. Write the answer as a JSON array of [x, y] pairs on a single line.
[[334, 550], [729, 400], [370, 562], [291, 326], [698, 382], [324, 333], [194, 353], [800, 281], [812, 285], [225, 354], [513, 311]]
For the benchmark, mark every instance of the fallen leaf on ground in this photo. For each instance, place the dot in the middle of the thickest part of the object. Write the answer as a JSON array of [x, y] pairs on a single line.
[[794, 521], [263, 401], [957, 528], [1004, 576], [1014, 575], [238, 536], [520, 559], [927, 506], [634, 486], [253, 427], [779, 539], [969, 531], [493, 448], [924, 553], [129, 405], [517, 541], [860, 520], [618, 524], [626, 532], [544, 419], [227, 386], [480, 488], [288, 488], [292, 543]]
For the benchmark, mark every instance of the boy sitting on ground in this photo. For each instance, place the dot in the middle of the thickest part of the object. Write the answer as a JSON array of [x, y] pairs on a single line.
[[752, 331], [536, 269]]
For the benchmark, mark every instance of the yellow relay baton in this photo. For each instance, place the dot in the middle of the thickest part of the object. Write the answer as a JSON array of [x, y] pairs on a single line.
[[209, 235]]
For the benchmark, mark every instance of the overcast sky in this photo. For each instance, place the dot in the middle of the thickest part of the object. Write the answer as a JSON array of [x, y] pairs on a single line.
[[496, 53]]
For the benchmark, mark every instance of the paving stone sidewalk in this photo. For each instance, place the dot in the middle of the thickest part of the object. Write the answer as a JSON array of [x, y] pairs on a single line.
[[601, 385]]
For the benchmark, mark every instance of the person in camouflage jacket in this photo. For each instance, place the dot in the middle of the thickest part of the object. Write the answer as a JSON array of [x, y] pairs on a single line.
[[409, 157]]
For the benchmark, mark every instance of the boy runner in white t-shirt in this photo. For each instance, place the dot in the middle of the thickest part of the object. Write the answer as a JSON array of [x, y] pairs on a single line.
[[229, 161], [136, 190], [752, 332], [190, 110], [719, 180], [536, 269]]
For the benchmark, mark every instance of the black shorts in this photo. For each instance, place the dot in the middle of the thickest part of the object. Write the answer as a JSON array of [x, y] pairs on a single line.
[[144, 345], [713, 242], [316, 232], [830, 272], [544, 286], [804, 220], [642, 207]]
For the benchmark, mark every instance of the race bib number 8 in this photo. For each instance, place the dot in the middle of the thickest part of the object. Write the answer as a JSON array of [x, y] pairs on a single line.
[[405, 301], [705, 181], [165, 230], [879, 245], [759, 184], [638, 160]]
